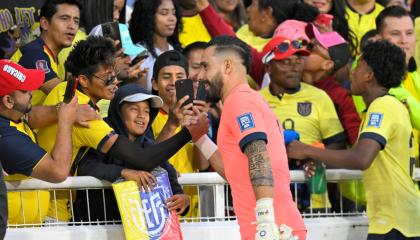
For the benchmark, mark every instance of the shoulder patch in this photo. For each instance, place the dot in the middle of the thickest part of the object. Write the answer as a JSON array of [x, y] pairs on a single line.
[[42, 65], [375, 120], [245, 121]]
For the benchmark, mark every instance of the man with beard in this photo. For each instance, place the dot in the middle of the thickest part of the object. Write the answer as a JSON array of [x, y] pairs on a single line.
[[251, 144], [92, 62], [59, 23], [16, 84]]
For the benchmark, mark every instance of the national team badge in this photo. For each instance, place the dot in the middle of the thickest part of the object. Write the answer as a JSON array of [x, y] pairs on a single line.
[[245, 121], [375, 119], [42, 65], [304, 109]]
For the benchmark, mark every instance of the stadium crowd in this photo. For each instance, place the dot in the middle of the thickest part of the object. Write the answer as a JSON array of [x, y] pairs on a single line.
[[287, 84]]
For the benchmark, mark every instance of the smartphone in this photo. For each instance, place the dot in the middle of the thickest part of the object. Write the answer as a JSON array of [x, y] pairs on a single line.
[[184, 87], [139, 57], [201, 91], [70, 89], [112, 30], [324, 19]]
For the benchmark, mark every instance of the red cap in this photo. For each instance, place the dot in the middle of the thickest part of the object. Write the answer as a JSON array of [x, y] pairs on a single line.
[[272, 52], [15, 77]]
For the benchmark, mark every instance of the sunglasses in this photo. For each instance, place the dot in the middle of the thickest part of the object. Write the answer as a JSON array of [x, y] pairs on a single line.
[[296, 44], [108, 80]]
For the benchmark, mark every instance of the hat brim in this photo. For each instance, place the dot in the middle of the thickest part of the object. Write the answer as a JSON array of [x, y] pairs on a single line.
[[273, 56], [156, 101], [35, 79]]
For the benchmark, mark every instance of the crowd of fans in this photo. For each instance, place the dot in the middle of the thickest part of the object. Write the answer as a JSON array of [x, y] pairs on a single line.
[[304, 58]]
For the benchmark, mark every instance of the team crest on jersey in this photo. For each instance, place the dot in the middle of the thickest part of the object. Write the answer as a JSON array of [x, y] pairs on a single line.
[[245, 121], [304, 109], [375, 120], [42, 65]]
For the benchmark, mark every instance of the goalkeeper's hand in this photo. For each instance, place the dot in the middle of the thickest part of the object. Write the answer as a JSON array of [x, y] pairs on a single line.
[[266, 226]]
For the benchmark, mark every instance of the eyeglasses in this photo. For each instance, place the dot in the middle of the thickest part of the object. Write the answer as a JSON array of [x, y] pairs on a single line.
[[108, 80], [296, 44]]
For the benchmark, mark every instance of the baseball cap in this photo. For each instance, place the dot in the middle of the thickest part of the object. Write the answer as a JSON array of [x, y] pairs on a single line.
[[14, 77], [292, 29], [155, 101], [335, 44], [168, 58], [280, 48], [126, 42]]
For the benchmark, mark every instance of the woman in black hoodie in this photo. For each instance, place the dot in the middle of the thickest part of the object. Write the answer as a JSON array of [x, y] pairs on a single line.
[[131, 113]]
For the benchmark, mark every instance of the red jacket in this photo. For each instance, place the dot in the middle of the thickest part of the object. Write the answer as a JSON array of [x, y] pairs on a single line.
[[344, 105]]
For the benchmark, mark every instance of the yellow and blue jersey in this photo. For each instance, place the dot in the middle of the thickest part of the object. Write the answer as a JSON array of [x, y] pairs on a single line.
[[393, 198], [19, 164], [193, 30], [37, 55]]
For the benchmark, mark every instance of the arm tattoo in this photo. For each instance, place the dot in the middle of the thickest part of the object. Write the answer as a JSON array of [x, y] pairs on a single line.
[[259, 164]]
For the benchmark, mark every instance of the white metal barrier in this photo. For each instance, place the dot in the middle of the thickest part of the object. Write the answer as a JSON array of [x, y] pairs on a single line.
[[221, 225]]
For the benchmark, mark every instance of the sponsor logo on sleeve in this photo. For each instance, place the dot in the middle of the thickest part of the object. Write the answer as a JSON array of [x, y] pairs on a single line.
[[375, 120], [42, 65], [245, 121]]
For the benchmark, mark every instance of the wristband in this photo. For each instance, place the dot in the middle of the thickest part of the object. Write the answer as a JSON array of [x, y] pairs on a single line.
[[206, 146]]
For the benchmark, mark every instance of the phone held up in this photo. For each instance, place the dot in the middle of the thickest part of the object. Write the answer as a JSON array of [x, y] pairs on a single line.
[[70, 89], [184, 87]]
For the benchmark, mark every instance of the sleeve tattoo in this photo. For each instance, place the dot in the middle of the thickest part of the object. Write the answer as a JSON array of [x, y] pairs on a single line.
[[259, 164]]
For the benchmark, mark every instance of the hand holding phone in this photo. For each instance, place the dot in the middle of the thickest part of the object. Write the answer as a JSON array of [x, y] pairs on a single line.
[[70, 89], [112, 30], [184, 87], [138, 58]]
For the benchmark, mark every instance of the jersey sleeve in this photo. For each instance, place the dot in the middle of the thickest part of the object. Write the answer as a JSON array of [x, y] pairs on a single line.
[[94, 136], [329, 123], [37, 59], [19, 153], [378, 124], [245, 119]]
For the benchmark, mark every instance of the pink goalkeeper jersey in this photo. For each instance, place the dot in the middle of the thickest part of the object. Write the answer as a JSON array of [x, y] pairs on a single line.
[[247, 117]]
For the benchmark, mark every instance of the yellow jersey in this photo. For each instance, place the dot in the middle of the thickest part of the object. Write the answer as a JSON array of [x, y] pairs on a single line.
[[193, 30], [362, 23], [183, 162], [393, 198], [247, 36], [83, 139], [309, 111], [28, 207]]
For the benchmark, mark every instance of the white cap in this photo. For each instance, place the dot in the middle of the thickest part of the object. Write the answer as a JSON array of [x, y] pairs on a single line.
[[156, 101]]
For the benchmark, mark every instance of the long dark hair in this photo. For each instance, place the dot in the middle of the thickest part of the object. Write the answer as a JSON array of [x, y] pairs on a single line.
[[340, 23], [143, 24], [238, 15], [95, 12]]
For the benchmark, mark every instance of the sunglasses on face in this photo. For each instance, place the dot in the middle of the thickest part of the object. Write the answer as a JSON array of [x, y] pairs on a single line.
[[108, 80], [296, 44]]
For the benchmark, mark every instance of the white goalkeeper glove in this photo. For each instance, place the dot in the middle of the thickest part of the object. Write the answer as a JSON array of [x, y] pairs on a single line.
[[266, 226]]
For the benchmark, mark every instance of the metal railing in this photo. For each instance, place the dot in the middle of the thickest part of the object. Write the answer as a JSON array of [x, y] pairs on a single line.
[[204, 182]]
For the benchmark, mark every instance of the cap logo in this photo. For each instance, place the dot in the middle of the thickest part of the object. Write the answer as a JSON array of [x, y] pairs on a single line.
[[14, 73]]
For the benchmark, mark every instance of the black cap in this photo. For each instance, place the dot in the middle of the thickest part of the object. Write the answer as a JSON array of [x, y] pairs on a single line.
[[169, 58]]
